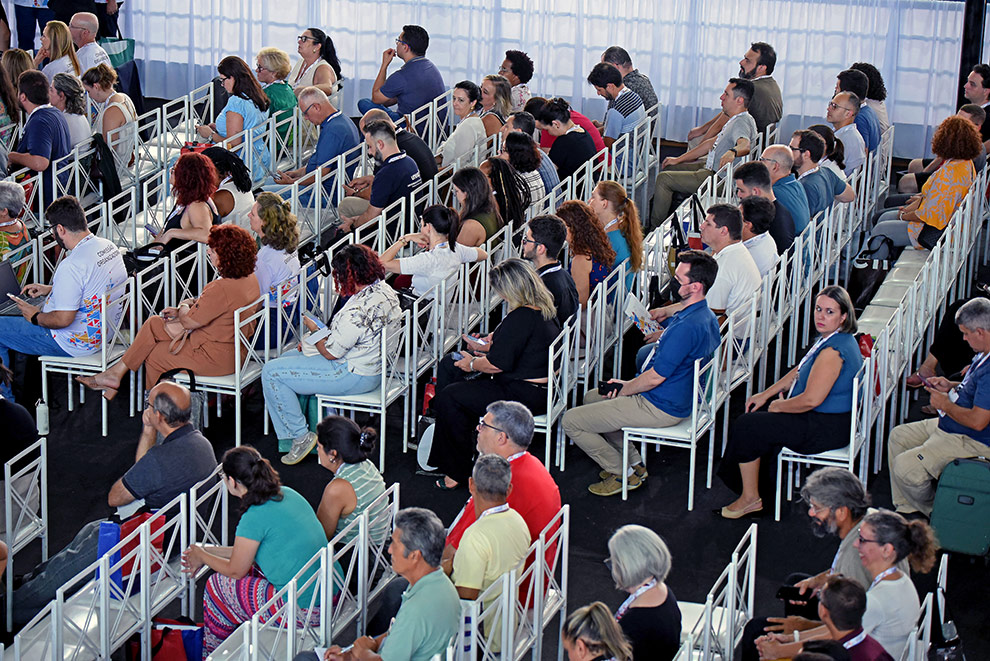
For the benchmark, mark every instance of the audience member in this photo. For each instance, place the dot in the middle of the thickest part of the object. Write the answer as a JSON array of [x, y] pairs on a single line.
[[276, 536], [753, 180], [920, 169], [9, 107], [45, 136], [638, 82], [67, 324], [639, 562], [814, 416], [246, 109], [523, 122], [277, 265], [114, 111], [660, 396], [318, 65], [523, 153], [193, 180], [84, 28], [14, 234], [875, 94], [518, 70], [345, 450], [29, 17], [858, 83], [977, 91], [469, 133], [757, 218], [547, 138], [272, 68], [835, 151], [779, 160], [591, 633], [948, 354], [199, 333], [918, 452], [233, 198], [479, 215], [441, 253], [512, 366], [821, 186], [625, 107], [510, 190], [541, 245], [68, 96], [57, 49], [15, 62], [618, 217], [591, 252], [397, 177], [496, 102], [161, 471], [573, 145], [347, 360], [683, 174], [494, 544], [841, 114], [417, 83]]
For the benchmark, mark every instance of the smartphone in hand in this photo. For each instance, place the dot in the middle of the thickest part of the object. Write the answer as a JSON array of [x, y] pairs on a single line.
[[605, 388]]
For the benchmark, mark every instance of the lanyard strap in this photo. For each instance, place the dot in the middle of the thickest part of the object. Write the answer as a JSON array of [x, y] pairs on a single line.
[[551, 270], [494, 510], [515, 456], [882, 575], [853, 642], [808, 356], [633, 597], [614, 221]]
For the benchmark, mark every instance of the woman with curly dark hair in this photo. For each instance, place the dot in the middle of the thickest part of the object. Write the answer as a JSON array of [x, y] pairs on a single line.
[[957, 142], [278, 533], [346, 358], [199, 333], [876, 94], [510, 190], [247, 108], [233, 197], [273, 221], [591, 252], [479, 213], [194, 180], [523, 153]]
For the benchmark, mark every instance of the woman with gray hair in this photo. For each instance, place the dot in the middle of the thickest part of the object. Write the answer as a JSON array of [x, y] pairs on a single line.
[[67, 94], [650, 618], [13, 232]]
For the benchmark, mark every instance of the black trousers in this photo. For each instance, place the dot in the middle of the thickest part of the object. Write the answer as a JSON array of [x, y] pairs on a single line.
[[756, 627], [948, 346], [762, 435], [108, 22], [460, 404]]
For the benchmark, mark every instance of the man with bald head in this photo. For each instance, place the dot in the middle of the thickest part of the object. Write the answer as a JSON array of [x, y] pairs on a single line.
[[408, 142], [161, 471], [787, 190], [84, 27], [841, 113]]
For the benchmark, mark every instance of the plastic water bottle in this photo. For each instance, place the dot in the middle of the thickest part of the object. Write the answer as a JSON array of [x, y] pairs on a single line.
[[951, 649], [41, 410]]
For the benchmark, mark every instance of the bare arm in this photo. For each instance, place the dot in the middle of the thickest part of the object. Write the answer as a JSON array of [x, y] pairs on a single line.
[[581, 274], [338, 500], [848, 195], [824, 371], [236, 566], [30, 161]]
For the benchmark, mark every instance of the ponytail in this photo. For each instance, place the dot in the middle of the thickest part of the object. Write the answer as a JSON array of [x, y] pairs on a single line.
[[444, 220], [594, 625], [628, 215], [913, 540], [255, 473], [352, 444]]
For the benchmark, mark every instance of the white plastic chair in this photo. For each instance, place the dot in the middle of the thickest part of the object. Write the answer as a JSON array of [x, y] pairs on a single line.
[[25, 498]]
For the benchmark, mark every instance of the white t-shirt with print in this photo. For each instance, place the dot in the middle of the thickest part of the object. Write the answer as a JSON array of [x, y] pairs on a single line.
[[431, 267], [80, 280], [274, 268]]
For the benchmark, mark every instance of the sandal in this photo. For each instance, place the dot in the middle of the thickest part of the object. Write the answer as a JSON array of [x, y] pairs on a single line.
[[442, 485], [754, 508]]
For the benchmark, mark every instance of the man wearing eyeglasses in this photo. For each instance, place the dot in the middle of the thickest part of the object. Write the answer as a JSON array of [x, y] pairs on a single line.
[[84, 27], [841, 114], [821, 186], [541, 245], [414, 85]]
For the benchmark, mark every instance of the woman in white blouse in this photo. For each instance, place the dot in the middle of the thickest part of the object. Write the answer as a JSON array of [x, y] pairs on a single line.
[[278, 261], [318, 65], [234, 197], [57, 48], [470, 131], [67, 95]]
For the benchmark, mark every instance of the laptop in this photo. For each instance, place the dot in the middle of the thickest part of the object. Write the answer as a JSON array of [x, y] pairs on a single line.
[[9, 285]]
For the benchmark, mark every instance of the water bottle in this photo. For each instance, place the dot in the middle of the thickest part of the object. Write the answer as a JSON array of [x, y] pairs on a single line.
[[951, 649], [41, 411]]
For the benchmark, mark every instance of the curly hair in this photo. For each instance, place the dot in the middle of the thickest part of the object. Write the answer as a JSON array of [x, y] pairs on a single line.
[[522, 65], [512, 195], [586, 236], [196, 179], [629, 225], [72, 89], [956, 138], [235, 249], [279, 226], [354, 266], [246, 465], [877, 90], [230, 164], [524, 153]]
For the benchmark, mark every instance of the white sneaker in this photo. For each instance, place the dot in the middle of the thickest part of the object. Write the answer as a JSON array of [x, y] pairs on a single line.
[[301, 447]]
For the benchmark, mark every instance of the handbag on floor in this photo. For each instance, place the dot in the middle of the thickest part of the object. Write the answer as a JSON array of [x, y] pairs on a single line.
[[171, 640], [868, 270]]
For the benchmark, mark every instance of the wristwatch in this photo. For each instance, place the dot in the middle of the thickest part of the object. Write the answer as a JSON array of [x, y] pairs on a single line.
[[471, 364], [34, 317]]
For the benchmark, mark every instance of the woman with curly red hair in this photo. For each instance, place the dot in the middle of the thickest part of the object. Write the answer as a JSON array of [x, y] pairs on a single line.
[[194, 181], [199, 333], [922, 220], [591, 252], [346, 360]]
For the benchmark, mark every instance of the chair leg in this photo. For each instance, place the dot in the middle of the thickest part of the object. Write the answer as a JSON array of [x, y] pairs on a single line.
[[237, 416], [776, 510], [691, 467], [625, 473]]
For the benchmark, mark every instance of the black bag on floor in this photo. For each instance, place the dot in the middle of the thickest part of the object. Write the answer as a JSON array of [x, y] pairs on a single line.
[[868, 270], [961, 513]]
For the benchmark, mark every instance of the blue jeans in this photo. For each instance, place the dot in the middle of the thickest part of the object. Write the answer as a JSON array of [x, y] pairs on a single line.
[[889, 225], [26, 18], [364, 105], [286, 377], [39, 587], [19, 334]]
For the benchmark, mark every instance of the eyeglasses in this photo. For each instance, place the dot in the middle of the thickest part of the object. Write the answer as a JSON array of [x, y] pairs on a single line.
[[833, 106], [482, 423], [76, 27], [303, 37], [399, 41], [260, 68], [148, 403], [223, 78], [863, 540], [308, 108], [768, 161], [816, 509], [528, 240], [504, 69]]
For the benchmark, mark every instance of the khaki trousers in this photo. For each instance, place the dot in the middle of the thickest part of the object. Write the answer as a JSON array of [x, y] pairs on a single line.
[[352, 207]]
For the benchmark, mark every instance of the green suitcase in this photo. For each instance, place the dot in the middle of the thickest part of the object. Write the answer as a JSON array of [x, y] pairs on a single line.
[[961, 514]]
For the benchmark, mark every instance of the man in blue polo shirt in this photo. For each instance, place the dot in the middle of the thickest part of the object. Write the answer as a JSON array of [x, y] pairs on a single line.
[[414, 85], [786, 189], [661, 395], [822, 186], [920, 451], [397, 177], [338, 134], [45, 138]]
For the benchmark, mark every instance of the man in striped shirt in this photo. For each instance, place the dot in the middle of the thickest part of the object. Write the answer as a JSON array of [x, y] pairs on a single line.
[[625, 107]]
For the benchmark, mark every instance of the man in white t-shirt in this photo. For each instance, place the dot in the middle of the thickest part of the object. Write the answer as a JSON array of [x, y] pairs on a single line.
[[841, 114], [738, 276], [84, 28], [68, 324], [757, 216]]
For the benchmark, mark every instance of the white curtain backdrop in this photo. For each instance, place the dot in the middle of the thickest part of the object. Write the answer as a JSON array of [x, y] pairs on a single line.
[[689, 48]]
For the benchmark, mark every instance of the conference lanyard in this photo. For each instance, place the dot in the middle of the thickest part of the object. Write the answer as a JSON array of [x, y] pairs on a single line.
[[882, 575], [614, 221], [512, 458], [494, 510], [808, 356], [633, 597], [972, 371], [853, 642], [553, 269]]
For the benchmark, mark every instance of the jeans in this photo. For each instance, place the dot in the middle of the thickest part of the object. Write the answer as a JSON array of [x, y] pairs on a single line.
[[19, 334], [40, 585], [890, 226], [26, 18], [364, 105], [286, 377]]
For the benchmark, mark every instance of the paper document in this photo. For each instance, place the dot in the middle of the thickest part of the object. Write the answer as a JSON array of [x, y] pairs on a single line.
[[130, 509], [317, 335], [635, 310]]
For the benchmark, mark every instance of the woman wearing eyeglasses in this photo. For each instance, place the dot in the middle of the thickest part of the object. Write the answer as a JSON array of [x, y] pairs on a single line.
[[318, 66], [892, 607], [272, 67]]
